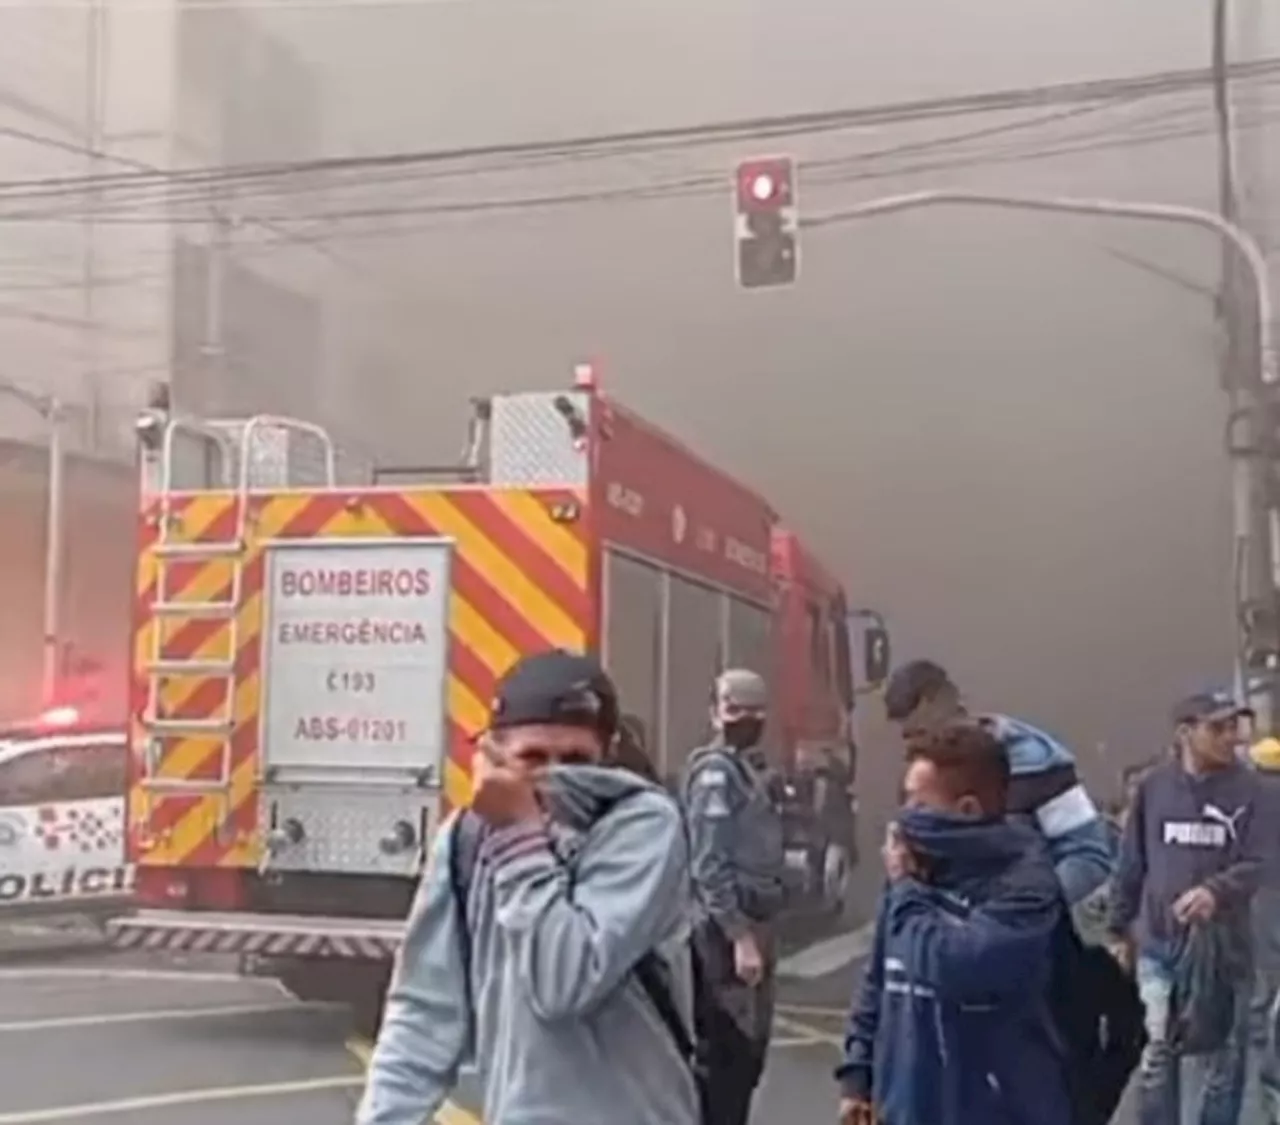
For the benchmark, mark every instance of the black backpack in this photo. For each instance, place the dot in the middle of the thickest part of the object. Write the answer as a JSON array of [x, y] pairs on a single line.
[[1099, 1015], [650, 972]]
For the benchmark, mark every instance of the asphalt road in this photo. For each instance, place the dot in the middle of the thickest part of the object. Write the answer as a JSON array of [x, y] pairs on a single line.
[[90, 1036], [96, 1037]]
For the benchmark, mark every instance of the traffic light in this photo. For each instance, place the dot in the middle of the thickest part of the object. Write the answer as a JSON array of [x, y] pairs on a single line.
[[768, 251], [1261, 629]]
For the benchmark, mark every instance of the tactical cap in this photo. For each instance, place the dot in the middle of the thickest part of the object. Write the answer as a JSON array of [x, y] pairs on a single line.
[[740, 687], [559, 687]]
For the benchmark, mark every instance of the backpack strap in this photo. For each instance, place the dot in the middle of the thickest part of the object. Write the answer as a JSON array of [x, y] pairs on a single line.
[[649, 973], [464, 849]]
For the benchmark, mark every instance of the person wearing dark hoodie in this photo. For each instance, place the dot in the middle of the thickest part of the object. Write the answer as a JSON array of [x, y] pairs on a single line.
[[951, 1025], [1190, 863], [552, 919]]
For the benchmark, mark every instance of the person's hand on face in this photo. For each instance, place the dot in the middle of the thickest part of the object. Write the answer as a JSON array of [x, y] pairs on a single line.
[[504, 792], [899, 861]]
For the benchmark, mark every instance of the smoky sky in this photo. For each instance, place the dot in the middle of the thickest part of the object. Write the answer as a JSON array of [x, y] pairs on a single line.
[[1001, 431]]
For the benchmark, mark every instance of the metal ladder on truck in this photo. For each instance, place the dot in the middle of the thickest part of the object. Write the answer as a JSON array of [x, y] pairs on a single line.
[[235, 448]]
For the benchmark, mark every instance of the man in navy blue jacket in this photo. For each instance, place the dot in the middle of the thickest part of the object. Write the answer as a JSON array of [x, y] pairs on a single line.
[[1191, 858], [952, 1025]]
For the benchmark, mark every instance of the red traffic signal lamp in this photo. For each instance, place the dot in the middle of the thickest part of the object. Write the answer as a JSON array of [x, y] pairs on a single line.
[[765, 222]]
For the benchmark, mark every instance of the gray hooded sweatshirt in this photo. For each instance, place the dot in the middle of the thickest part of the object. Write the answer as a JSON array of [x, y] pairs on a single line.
[[561, 1029]]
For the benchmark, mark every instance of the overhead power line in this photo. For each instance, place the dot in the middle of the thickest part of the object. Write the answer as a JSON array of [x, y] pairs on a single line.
[[846, 169], [756, 128], [850, 168]]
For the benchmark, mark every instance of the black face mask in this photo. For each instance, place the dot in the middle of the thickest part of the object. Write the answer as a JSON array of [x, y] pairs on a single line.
[[744, 733]]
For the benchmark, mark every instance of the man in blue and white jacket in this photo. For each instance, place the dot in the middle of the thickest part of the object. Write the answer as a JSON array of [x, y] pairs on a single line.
[[921, 699]]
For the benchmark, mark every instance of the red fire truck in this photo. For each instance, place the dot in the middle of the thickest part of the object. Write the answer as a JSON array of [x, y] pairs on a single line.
[[313, 660]]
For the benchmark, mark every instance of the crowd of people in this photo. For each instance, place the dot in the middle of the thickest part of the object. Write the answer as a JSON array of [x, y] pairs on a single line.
[[599, 947], [980, 967]]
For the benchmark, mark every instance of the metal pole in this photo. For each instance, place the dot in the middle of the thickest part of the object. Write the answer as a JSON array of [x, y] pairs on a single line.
[[1253, 523], [1234, 354], [51, 410], [53, 555], [213, 393], [95, 100]]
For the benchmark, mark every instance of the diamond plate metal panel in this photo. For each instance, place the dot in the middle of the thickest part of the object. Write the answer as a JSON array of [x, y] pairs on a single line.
[[279, 457], [531, 442], [344, 829]]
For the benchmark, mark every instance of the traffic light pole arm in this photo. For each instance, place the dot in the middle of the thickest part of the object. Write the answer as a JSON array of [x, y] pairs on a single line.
[[1109, 208], [1260, 574]]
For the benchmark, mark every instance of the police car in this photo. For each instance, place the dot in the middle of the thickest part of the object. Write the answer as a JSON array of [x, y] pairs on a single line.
[[62, 818]]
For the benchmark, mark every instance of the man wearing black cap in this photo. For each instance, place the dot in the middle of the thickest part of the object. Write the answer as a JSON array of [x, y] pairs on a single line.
[[1189, 866], [548, 940]]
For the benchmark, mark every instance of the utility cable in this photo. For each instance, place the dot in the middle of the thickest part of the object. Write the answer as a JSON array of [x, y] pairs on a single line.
[[840, 171], [736, 130], [124, 211]]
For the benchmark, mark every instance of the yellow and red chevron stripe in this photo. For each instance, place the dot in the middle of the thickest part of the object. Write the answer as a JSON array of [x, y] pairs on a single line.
[[521, 582]]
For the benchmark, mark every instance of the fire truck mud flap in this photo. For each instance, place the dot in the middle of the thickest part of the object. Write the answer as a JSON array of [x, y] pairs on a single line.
[[257, 936]]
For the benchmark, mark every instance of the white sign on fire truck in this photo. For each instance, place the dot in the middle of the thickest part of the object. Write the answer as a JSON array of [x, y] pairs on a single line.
[[356, 651]]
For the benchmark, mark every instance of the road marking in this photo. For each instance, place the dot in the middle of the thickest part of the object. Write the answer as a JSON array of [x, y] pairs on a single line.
[[808, 1031], [161, 1014], [362, 1049], [448, 1114], [789, 1042], [157, 975], [180, 1097], [829, 956], [822, 1011]]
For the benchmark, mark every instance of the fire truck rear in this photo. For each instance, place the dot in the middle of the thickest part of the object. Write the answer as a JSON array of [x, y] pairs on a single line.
[[313, 659]]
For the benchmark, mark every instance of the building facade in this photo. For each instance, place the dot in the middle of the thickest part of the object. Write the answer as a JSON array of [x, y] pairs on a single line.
[[115, 276]]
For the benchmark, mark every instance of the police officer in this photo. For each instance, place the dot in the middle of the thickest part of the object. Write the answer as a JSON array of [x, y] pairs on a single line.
[[735, 829]]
